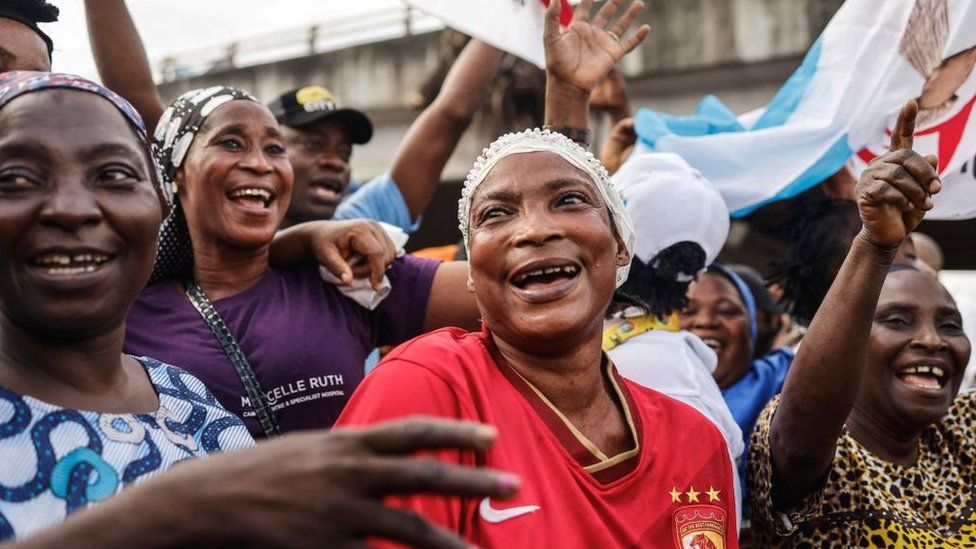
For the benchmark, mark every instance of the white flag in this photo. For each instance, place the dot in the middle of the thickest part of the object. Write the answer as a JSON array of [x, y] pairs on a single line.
[[515, 26]]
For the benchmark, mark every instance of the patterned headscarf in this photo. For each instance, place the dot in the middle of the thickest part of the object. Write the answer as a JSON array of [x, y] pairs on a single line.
[[174, 134], [17, 83], [536, 140]]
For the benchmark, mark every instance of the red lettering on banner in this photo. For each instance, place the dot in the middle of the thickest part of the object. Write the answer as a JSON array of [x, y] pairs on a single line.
[[949, 133]]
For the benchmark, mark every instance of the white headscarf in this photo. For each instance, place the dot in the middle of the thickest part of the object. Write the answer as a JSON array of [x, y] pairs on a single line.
[[537, 140]]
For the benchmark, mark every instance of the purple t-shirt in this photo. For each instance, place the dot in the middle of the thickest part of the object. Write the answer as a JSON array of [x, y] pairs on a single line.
[[305, 341]]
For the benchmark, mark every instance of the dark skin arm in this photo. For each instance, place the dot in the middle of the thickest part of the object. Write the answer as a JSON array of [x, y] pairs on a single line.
[[314, 489], [618, 145], [582, 56], [893, 195], [357, 248], [121, 58], [611, 97], [435, 134]]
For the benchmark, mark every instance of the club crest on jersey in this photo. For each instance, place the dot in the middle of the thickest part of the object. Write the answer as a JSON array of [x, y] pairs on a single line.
[[700, 527]]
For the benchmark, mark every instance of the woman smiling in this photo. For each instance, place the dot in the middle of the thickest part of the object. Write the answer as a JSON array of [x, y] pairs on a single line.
[[79, 219], [277, 346], [549, 242], [88, 435], [869, 443], [722, 312]]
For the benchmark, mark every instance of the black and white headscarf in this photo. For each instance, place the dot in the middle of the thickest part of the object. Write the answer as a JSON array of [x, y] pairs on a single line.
[[174, 134]]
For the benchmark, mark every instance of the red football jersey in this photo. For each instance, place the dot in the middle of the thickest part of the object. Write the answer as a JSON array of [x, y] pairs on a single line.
[[674, 489]]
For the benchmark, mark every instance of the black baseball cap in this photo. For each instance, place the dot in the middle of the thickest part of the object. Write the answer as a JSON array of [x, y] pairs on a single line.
[[296, 108]]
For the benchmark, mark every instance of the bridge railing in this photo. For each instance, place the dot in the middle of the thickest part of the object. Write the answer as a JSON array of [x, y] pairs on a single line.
[[327, 35]]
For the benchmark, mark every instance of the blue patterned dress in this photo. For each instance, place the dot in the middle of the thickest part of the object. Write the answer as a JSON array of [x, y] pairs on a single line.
[[54, 460]]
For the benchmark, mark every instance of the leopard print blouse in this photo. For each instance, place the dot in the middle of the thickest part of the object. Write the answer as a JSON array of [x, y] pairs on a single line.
[[868, 502]]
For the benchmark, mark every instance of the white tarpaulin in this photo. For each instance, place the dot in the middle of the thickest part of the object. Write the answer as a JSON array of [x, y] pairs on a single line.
[[515, 26]]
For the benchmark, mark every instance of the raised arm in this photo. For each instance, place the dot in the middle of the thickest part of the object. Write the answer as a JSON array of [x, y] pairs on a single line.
[[610, 96], [121, 57], [432, 138], [893, 195], [577, 60], [582, 56]]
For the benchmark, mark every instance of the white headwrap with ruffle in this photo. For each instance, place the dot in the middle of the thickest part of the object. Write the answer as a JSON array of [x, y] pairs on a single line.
[[539, 140]]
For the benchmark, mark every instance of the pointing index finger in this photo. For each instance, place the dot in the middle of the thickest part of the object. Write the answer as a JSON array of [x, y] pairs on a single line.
[[904, 133], [552, 19]]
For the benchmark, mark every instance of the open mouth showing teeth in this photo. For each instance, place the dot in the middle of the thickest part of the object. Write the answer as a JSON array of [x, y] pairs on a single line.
[[252, 197], [925, 377], [713, 343], [326, 190], [545, 276], [65, 264]]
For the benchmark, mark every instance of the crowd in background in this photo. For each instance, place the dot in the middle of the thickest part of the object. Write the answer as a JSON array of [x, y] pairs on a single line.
[[198, 280]]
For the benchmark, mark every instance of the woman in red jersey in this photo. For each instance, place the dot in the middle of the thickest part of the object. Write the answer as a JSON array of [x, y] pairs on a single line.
[[603, 462]]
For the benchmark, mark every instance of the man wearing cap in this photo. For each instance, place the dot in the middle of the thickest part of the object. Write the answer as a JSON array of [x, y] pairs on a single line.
[[320, 135], [23, 45]]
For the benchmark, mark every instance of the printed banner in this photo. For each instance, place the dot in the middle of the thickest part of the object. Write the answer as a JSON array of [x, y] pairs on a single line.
[[836, 108]]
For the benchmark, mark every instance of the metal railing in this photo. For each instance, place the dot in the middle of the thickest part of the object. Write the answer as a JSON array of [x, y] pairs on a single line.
[[328, 35]]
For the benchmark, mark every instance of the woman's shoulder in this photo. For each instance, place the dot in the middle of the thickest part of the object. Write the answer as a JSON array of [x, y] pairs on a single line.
[[177, 384], [437, 374], [964, 404], [960, 419], [442, 350]]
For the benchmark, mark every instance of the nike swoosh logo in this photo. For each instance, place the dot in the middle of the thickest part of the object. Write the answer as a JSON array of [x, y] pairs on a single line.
[[495, 516]]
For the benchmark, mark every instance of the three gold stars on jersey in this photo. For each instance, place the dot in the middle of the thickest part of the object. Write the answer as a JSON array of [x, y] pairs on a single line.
[[693, 496]]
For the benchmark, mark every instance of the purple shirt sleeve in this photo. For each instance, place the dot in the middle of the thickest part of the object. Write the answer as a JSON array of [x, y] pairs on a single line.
[[400, 316]]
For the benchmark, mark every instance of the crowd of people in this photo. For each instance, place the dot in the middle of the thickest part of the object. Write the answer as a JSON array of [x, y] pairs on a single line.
[[189, 294]]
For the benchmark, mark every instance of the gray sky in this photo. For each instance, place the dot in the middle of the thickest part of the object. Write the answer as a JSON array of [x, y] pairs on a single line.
[[172, 26]]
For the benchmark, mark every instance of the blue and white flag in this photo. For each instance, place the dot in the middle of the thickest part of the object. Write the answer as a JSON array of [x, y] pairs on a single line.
[[836, 108]]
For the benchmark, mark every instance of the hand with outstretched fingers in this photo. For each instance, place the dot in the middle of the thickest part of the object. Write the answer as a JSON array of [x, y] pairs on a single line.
[[895, 191], [310, 489], [583, 54], [327, 489]]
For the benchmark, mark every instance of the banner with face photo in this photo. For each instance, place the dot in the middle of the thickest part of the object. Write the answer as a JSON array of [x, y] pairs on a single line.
[[835, 110], [514, 26], [943, 55]]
